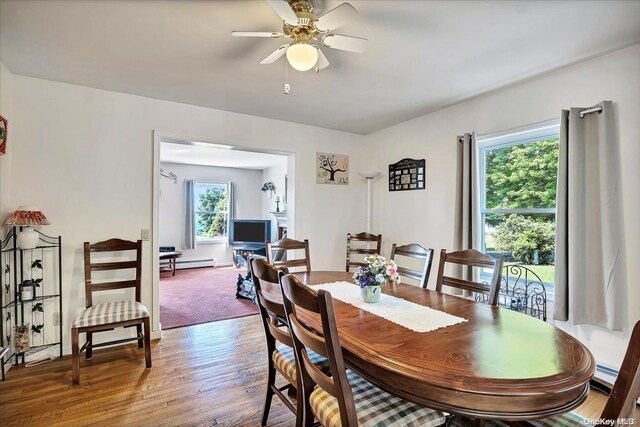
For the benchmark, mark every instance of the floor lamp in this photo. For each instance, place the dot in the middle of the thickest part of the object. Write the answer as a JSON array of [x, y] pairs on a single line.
[[369, 177]]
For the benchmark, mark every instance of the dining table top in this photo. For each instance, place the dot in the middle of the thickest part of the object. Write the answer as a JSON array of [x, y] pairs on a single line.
[[497, 364]]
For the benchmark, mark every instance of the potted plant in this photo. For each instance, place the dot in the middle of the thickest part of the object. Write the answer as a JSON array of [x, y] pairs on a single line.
[[373, 276], [268, 186]]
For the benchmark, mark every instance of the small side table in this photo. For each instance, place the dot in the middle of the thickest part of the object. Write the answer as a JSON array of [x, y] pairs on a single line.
[[171, 257], [3, 352]]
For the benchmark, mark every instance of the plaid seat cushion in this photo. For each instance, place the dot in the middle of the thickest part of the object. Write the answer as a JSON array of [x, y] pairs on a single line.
[[375, 408], [110, 312], [285, 362], [570, 419]]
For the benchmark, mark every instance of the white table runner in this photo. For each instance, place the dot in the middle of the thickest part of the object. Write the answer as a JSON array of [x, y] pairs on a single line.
[[397, 310]]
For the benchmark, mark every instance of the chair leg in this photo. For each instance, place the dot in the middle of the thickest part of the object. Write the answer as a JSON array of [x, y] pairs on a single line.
[[147, 342], [89, 350], [140, 337], [75, 358], [271, 381]]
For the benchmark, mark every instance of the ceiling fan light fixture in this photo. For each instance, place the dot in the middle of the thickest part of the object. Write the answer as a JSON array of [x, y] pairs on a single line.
[[302, 56]]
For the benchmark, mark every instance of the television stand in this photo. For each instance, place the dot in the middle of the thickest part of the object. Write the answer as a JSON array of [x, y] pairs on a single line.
[[245, 251]]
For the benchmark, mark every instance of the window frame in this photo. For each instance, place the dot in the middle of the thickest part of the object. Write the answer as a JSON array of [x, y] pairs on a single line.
[[519, 136], [227, 212]]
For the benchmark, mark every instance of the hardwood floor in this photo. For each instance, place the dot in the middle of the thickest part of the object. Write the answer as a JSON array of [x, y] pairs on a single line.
[[210, 375]]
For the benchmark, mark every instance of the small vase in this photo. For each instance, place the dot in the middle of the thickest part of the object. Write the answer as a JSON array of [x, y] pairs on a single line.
[[371, 294]]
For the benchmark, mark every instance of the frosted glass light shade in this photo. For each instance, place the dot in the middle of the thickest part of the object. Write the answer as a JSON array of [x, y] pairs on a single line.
[[302, 56]]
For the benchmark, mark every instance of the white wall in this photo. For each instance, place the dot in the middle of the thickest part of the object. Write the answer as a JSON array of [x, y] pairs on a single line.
[[6, 111], [427, 216], [247, 202], [85, 158], [276, 175]]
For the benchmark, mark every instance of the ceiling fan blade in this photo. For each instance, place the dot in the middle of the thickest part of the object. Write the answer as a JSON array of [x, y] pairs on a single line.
[[275, 55], [323, 62], [273, 35], [348, 43], [336, 17], [284, 11]]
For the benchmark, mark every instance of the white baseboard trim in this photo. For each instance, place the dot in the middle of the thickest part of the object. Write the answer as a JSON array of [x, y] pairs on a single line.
[[195, 263]]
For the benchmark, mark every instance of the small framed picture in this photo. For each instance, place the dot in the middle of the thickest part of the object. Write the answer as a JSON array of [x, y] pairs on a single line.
[[4, 126]]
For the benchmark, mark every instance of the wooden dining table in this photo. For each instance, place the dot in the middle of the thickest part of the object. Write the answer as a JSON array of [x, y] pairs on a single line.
[[499, 364]]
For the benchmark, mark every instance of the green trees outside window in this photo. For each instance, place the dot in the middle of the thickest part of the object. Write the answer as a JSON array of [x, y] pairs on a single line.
[[519, 198], [211, 210]]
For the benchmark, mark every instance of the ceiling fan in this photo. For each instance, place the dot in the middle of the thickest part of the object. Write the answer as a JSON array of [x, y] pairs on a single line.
[[305, 28]]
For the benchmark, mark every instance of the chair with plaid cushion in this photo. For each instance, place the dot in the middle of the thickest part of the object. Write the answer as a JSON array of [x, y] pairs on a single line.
[[280, 357], [342, 398], [109, 315], [619, 406]]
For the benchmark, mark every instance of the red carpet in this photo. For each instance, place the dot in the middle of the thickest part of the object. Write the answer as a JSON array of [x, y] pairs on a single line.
[[201, 295]]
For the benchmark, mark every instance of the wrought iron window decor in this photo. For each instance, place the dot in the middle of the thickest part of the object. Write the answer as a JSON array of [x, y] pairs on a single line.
[[407, 174], [31, 294], [521, 290]]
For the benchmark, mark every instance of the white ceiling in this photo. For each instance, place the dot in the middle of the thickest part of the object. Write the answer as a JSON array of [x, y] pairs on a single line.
[[206, 155], [422, 55]]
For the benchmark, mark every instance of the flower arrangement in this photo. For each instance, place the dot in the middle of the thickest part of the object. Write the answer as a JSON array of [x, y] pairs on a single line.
[[268, 186], [377, 272]]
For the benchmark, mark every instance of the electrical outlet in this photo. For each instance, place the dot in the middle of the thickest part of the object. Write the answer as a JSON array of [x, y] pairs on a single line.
[[145, 234], [56, 319]]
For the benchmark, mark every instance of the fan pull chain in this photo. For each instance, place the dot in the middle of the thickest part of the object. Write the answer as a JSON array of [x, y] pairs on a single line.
[[287, 86]]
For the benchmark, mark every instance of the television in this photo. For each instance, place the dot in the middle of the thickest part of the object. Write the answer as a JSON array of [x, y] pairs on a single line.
[[250, 232]]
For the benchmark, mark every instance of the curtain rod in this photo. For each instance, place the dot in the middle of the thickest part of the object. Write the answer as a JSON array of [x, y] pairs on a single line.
[[590, 110]]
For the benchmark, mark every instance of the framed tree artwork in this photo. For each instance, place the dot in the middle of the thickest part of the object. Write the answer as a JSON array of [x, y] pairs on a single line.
[[332, 169], [4, 125]]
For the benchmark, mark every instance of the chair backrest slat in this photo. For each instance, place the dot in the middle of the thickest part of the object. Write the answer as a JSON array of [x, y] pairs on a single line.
[[414, 250], [297, 296], [626, 389], [119, 265], [362, 238], [115, 246], [285, 245], [471, 258]]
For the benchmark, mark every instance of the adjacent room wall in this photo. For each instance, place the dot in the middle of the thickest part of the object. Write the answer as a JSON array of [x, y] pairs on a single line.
[[247, 202], [85, 157], [426, 216], [276, 175]]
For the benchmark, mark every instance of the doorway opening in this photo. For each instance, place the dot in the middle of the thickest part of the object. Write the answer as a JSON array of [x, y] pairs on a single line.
[[214, 205]]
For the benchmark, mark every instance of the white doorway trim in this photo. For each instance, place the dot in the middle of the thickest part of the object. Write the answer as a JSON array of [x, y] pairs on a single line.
[[158, 138]]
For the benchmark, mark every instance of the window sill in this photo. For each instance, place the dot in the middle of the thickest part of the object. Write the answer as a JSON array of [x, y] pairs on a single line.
[[210, 241]]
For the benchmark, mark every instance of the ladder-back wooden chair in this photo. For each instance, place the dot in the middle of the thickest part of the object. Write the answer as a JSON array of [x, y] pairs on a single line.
[[282, 247], [414, 250], [109, 315], [341, 398], [471, 258], [280, 357], [361, 248]]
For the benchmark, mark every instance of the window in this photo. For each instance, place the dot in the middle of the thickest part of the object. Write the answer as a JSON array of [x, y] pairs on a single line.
[[517, 182], [211, 211]]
